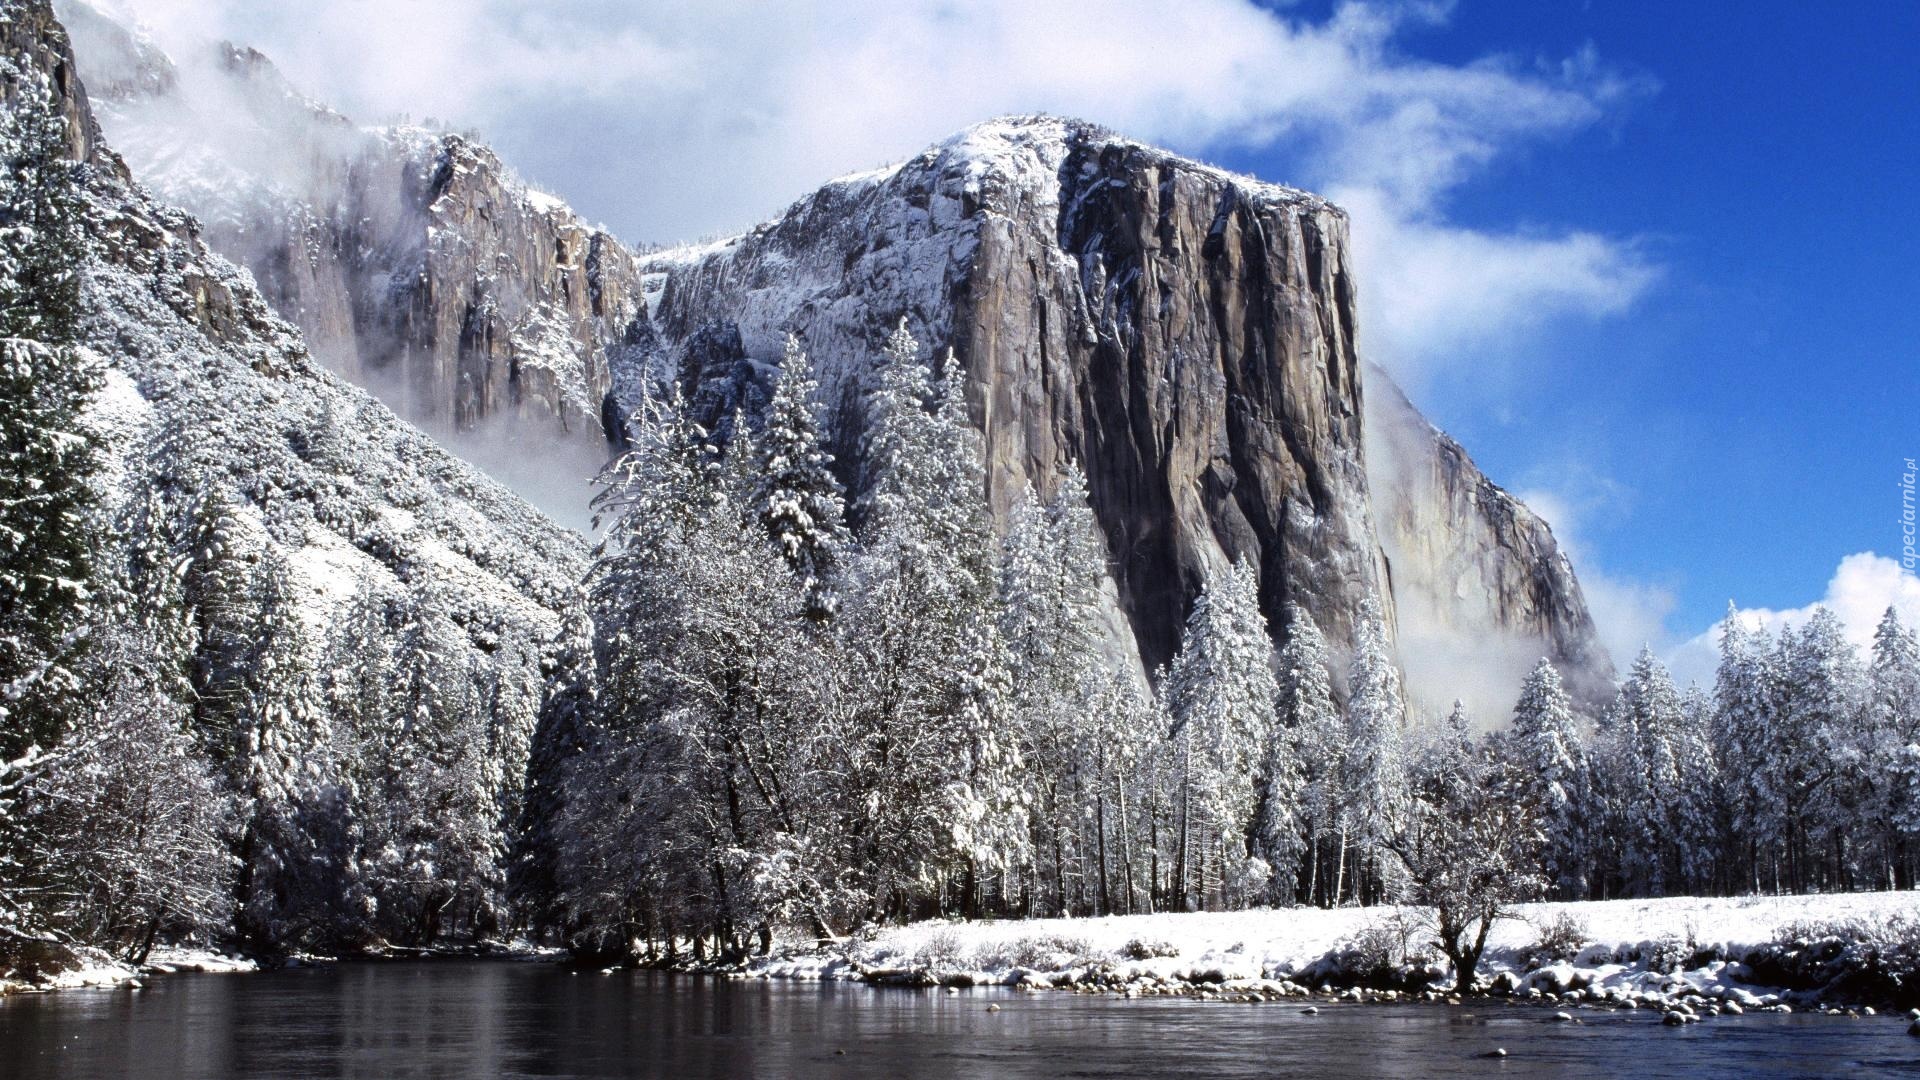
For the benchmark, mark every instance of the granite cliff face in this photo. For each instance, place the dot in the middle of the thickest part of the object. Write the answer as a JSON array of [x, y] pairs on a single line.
[[1186, 336], [412, 260], [1479, 581]]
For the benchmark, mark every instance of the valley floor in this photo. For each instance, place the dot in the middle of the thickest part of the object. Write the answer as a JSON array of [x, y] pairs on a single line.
[[1691, 956]]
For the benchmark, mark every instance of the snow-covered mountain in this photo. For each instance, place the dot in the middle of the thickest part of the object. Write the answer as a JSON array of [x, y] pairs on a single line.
[[1187, 335], [411, 259]]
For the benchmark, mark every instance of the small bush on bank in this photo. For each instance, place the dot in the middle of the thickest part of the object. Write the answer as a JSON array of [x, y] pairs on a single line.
[[1562, 937]]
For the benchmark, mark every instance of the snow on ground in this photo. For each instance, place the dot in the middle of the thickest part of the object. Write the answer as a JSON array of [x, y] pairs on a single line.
[[1635, 951], [99, 971]]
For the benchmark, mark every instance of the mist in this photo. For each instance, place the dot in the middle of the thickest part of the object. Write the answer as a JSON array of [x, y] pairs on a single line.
[[217, 130]]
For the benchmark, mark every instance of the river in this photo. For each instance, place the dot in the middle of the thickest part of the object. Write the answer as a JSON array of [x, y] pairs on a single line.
[[493, 1018]]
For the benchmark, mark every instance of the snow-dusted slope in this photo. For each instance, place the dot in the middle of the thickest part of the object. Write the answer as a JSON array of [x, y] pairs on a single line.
[[412, 259], [213, 400]]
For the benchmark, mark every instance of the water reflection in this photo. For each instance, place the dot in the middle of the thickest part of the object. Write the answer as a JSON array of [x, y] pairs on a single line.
[[536, 1020]]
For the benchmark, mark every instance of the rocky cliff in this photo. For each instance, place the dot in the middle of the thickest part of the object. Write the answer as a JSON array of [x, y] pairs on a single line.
[[411, 259], [1188, 336], [1482, 588]]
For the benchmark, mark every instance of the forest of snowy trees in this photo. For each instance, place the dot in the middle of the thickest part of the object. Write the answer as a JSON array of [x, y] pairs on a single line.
[[781, 710], [191, 743], [784, 720]]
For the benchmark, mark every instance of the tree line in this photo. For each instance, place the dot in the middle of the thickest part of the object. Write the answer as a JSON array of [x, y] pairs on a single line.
[[783, 719]]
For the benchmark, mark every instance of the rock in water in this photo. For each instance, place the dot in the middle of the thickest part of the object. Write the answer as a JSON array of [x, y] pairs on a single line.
[[1674, 1019]]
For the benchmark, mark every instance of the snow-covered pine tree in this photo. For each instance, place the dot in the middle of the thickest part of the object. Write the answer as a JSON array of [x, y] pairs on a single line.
[[797, 498], [1052, 566], [1374, 765], [938, 746], [1220, 695], [1892, 728], [1639, 753], [433, 849], [1281, 821], [1697, 796], [702, 798], [1312, 728], [1742, 717], [278, 755], [1548, 747], [1819, 693], [897, 446], [48, 457], [42, 242]]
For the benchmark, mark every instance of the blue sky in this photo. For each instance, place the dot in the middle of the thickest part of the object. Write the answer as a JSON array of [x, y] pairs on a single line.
[[1651, 263]]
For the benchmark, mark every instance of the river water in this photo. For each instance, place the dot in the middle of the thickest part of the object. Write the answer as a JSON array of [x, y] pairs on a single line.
[[479, 1018]]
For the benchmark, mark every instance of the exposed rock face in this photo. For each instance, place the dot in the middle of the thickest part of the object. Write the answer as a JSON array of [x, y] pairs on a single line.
[[412, 260], [1186, 335], [1482, 587]]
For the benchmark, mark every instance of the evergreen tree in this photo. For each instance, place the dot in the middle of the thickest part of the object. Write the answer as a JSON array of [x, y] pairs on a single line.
[[1550, 753], [1695, 824], [1052, 566], [1311, 727], [797, 498], [1220, 695], [1742, 717], [1891, 725], [43, 245], [1818, 691], [1375, 767], [1640, 755], [48, 455]]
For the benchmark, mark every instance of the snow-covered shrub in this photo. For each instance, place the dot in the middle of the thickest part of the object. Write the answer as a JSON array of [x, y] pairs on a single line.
[[1386, 953], [943, 950], [1561, 937], [1666, 954], [1038, 952], [1144, 949], [1861, 959]]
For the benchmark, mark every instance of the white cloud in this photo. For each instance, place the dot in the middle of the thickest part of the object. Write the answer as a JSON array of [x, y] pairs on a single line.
[[1860, 591], [1441, 292], [675, 120]]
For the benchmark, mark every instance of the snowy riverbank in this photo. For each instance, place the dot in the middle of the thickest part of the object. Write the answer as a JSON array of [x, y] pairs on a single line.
[[98, 970], [1691, 957]]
